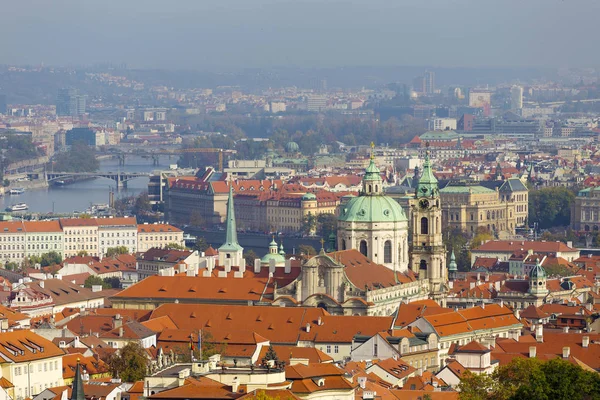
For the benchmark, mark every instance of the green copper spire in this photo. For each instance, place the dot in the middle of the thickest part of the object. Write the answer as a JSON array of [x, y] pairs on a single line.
[[452, 265], [231, 240], [77, 388], [428, 184], [281, 250]]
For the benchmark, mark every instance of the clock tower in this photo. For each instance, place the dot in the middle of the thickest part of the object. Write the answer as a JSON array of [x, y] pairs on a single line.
[[428, 254]]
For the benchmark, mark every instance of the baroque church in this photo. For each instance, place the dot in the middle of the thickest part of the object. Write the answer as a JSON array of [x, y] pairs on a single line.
[[372, 271]]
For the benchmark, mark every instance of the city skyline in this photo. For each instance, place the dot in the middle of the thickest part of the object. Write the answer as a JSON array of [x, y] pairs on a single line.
[[262, 34]]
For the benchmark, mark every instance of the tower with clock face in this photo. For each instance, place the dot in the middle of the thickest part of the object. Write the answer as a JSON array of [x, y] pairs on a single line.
[[428, 254]]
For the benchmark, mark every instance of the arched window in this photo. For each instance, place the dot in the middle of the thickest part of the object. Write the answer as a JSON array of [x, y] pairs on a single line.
[[493, 214], [343, 244], [387, 251], [424, 226], [488, 215], [363, 247], [423, 264]]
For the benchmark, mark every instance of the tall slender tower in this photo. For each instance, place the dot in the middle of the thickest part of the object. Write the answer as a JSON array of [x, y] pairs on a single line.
[[77, 387], [231, 249], [428, 252]]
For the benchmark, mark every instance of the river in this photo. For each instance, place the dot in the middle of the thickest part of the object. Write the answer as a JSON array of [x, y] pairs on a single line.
[[78, 196]]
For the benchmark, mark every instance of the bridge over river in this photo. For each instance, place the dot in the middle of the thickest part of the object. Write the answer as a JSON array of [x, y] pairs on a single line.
[[120, 178]]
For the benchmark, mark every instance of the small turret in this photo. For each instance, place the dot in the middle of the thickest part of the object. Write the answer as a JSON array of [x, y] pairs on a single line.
[[77, 388], [452, 267]]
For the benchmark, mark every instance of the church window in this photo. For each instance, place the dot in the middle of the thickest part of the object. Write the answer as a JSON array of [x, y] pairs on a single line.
[[424, 226], [363, 247], [387, 251], [423, 264]]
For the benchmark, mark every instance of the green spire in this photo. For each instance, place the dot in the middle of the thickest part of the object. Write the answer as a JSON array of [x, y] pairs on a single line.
[[428, 184], [231, 240], [281, 250], [452, 266], [77, 388]]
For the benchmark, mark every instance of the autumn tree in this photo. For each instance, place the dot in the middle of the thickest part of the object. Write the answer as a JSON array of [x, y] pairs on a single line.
[[115, 251], [250, 256], [307, 250], [200, 245], [130, 363]]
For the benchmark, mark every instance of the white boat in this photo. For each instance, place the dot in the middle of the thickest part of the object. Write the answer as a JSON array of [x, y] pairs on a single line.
[[18, 207], [17, 191]]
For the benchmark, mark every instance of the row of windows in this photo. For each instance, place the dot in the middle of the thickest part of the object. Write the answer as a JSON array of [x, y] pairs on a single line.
[[13, 247], [117, 242], [82, 232], [80, 239], [41, 247], [47, 366], [118, 234]]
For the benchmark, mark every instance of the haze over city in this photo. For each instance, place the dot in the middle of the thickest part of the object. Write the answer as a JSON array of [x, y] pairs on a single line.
[[199, 34], [299, 200]]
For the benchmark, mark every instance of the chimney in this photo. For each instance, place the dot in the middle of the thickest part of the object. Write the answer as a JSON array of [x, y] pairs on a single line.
[[242, 267], [501, 303], [117, 321], [565, 329], [487, 277], [539, 333], [271, 266], [532, 351], [307, 327], [235, 385], [288, 266], [319, 321], [483, 306], [585, 342], [518, 314], [120, 331], [566, 352], [257, 265], [362, 381], [41, 283], [478, 276]]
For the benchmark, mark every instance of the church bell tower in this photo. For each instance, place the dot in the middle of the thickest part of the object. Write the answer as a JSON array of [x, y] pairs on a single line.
[[428, 252]]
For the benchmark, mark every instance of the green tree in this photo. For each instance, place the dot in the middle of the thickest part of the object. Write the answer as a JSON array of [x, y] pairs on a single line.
[[130, 363], [174, 246], [309, 224], [82, 253], [456, 240], [96, 280], [200, 244], [112, 282], [115, 251], [250, 256], [326, 225], [557, 270], [80, 158], [531, 378], [196, 219], [482, 236], [142, 204], [550, 207], [307, 250], [11, 266], [50, 258]]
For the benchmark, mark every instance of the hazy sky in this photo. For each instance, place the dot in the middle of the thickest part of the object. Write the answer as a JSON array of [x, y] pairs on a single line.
[[256, 33]]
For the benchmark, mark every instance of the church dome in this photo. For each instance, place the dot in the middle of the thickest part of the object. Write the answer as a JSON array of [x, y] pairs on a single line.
[[292, 147], [372, 209], [372, 205], [266, 260], [537, 272]]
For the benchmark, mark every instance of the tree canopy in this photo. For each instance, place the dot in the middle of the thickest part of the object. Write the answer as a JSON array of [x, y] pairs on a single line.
[[96, 280], [115, 251], [550, 207], [130, 363], [80, 158], [531, 378]]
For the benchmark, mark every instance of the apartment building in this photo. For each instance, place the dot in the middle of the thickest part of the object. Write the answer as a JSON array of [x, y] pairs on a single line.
[[81, 235], [158, 236], [116, 232], [43, 237], [12, 241], [30, 362]]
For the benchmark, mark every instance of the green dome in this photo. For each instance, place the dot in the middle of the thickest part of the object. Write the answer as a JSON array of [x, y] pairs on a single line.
[[537, 272], [292, 147], [372, 209], [279, 259], [309, 196]]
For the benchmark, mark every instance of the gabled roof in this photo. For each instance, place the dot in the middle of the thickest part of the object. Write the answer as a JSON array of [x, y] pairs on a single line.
[[472, 347], [23, 345], [533, 312]]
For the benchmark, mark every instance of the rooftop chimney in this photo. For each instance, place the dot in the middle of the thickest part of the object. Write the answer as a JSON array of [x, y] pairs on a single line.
[[288, 266], [565, 329], [566, 352], [257, 265], [307, 327], [532, 351], [362, 381], [117, 321], [585, 342], [539, 333]]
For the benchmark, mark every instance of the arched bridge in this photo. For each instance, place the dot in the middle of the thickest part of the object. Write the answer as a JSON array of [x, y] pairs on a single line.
[[120, 177]]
